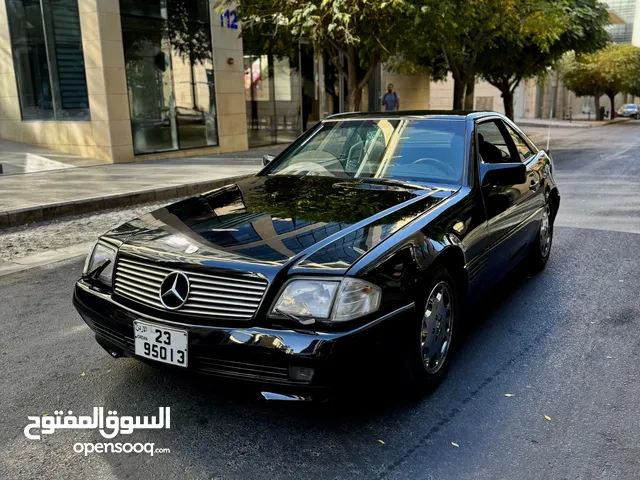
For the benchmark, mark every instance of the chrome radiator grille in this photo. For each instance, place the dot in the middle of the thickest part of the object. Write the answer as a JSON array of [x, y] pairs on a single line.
[[214, 296]]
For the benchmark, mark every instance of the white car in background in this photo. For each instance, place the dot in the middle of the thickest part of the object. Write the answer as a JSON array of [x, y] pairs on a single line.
[[630, 110]]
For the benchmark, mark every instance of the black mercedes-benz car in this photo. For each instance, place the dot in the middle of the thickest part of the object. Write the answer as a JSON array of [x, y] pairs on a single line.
[[350, 255]]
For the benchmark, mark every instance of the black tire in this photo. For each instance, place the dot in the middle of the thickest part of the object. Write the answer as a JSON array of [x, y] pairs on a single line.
[[418, 379], [539, 256]]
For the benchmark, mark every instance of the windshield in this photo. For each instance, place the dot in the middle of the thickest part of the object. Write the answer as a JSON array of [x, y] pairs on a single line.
[[430, 150]]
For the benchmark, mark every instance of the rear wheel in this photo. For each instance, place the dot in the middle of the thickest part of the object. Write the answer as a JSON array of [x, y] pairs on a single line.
[[541, 250], [432, 333]]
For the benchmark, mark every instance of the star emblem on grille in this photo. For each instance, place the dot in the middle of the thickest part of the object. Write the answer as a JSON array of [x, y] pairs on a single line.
[[174, 290]]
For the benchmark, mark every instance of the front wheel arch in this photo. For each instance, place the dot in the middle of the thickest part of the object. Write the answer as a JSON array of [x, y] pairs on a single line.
[[453, 261]]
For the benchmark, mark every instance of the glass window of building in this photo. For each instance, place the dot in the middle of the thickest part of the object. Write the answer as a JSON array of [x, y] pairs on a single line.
[[281, 93], [48, 59], [625, 9], [169, 65]]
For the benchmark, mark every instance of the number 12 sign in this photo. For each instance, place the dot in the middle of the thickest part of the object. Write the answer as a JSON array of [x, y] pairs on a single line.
[[229, 19]]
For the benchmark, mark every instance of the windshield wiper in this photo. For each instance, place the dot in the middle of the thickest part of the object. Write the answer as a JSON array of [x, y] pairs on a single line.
[[389, 181], [290, 316], [95, 273]]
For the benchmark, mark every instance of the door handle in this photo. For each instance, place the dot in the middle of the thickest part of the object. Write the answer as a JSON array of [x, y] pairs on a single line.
[[533, 186]]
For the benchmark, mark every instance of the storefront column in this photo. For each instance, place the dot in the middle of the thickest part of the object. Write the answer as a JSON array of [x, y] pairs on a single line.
[[229, 82], [106, 81]]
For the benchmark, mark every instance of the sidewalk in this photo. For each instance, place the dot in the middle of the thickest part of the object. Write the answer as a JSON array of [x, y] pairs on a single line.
[[17, 158], [76, 189], [555, 123]]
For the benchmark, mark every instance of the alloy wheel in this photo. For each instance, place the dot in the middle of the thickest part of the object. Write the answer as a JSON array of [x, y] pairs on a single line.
[[545, 231], [437, 327]]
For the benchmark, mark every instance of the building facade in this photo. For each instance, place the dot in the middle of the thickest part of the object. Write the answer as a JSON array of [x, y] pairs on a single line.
[[122, 80], [555, 100], [131, 80]]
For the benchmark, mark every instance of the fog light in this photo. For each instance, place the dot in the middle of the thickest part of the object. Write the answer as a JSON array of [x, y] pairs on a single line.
[[301, 374]]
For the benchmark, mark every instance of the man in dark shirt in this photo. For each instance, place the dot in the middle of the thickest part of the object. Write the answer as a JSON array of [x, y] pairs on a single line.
[[391, 100]]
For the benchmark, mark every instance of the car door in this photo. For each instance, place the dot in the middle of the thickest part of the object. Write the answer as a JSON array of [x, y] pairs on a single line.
[[536, 162], [506, 206]]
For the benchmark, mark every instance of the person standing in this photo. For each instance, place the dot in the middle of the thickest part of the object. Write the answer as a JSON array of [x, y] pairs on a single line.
[[307, 106], [391, 100]]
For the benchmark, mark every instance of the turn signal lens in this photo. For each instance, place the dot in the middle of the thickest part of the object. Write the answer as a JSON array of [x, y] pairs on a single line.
[[355, 299]]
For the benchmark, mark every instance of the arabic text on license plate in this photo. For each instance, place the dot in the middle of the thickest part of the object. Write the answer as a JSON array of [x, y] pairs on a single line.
[[168, 345]]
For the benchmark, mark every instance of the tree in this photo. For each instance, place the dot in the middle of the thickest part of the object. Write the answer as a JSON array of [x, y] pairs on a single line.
[[609, 71], [366, 33], [582, 79], [457, 32], [579, 26]]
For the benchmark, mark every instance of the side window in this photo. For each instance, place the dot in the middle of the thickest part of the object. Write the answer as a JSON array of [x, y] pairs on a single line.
[[523, 149], [493, 145]]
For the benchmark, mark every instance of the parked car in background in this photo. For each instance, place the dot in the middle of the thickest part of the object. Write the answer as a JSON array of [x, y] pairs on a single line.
[[630, 110], [352, 253]]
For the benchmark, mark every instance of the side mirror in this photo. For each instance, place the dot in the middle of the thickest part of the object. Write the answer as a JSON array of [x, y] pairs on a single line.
[[267, 159], [502, 174]]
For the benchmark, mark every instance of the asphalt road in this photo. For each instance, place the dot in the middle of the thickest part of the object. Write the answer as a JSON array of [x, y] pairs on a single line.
[[565, 343]]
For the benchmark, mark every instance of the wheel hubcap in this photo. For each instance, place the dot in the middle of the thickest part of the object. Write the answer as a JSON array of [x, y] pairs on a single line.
[[545, 232], [437, 327]]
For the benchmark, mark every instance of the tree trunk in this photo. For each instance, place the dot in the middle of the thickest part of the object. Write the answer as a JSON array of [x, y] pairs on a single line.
[[597, 102], [355, 93], [459, 86], [507, 99], [357, 99], [612, 100], [468, 97]]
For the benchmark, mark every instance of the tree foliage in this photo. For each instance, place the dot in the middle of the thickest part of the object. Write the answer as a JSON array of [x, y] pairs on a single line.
[[457, 33], [579, 26], [609, 71], [365, 32]]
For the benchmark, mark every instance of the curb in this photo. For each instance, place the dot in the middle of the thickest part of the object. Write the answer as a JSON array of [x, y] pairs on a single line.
[[23, 216], [546, 125], [45, 258]]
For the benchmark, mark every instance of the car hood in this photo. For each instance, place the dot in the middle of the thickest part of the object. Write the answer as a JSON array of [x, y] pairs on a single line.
[[270, 221]]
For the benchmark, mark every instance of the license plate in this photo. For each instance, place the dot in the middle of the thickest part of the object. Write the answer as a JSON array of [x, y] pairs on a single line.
[[167, 345]]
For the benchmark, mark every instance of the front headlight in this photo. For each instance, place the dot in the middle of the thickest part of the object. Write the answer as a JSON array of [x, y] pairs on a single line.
[[332, 300], [101, 253]]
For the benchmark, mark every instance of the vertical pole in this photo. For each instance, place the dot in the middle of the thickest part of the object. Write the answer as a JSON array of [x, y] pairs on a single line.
[[552, 107], [320, 88], [272, 95], [341, 82], [54, 88], [300, 86]]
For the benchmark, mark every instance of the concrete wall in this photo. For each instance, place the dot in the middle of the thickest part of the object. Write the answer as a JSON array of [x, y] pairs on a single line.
[[107, 136], [486, 96], [414, 90]]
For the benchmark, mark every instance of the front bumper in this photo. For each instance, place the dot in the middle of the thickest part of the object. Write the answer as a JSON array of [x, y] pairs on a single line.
[[256, 356]]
